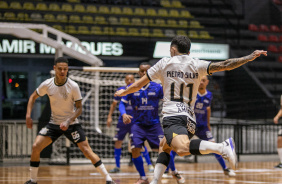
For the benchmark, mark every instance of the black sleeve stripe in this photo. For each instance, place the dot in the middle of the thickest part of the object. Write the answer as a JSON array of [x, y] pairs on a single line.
[[148, 75], [208, 69], [78, 100], [37, 93]]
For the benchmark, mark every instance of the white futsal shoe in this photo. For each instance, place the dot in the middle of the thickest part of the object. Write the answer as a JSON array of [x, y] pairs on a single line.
[[229, 172], [229, 153]]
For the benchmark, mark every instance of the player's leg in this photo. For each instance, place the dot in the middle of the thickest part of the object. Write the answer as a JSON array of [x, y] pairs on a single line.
[[117, 153], [76, 134], [130, 163], [146, 155], [279, 149]]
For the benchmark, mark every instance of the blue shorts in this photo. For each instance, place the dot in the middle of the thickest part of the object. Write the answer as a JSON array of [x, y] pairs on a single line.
[[121, 131], [204, 133], [153, 134]]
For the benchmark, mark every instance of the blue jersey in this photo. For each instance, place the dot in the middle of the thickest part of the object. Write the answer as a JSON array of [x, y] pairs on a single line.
[[128, 107], [145, 104], [200, 109]]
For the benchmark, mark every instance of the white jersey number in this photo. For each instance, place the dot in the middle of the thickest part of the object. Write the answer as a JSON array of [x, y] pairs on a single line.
[[180, 99]]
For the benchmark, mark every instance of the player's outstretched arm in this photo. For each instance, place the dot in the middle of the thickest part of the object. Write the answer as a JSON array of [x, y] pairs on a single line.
[[233, 63], [278, 115], [30, 104]]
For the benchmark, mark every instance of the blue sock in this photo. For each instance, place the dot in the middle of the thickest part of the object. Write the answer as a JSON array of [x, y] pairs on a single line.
[[171, 164], [117, 156], [147, 156], [138, 162], [220, 160]]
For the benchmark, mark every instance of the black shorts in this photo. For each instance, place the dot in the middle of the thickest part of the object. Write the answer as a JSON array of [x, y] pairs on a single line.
[[74, 133], [178, 125]]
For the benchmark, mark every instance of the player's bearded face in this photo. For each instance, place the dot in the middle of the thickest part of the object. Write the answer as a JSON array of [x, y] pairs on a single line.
[[61, 70]]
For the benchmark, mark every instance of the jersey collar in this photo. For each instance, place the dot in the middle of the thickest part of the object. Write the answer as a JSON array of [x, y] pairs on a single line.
[[145, 87]]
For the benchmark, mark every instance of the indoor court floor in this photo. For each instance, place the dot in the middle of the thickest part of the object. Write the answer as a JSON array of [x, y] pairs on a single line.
[[194, 173]]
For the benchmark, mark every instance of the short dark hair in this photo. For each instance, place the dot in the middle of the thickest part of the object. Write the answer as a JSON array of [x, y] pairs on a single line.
[[145, 63], [61, 60], [183, 43]]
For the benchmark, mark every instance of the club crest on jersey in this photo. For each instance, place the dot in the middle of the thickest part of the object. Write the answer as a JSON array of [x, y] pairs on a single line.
[[152, 93], [206, 101]]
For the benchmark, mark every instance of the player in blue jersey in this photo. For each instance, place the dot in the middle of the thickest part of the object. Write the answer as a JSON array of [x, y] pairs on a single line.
[[145, 121], [203, 112], [123, 129]]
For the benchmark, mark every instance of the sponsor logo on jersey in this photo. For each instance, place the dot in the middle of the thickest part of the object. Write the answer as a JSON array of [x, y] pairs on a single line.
[[206, 101], [136, 94], [152, 93], [44, 131]]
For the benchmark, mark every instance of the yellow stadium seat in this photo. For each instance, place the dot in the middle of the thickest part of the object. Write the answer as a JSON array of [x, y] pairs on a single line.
[[49, 17], [145, 32], [96, 30], [67, 7], [181, 32], [193, 34], [124, 21], [160, 22], [169, 33], [74, 19], [162, 12], [23, 16], [83, 30], [54, 7], [172, 23], [79, 8], [121, 31], [58, 27], [104, 10], [115, 10], [165, 3], [139, 11], [148, 22], [205, 35], [151, 12], [9, 16], [176, 4], [36, 17], [108, 31], [28, 6], [127, 11], [71, 29], [87, 19], [15, 5], [157, 33], [4, 5], [73, 1], [113, 20], [62, 18], [41, 7], [133, 32], [136, 22], [195, 24], [173, 13], [185, 14], [100, 20], [91, 9], [183, 23]]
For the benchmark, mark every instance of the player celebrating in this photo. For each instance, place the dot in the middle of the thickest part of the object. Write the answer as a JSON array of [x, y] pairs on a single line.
[[203, 114], [63, 93], [279, 139], [180, 76]]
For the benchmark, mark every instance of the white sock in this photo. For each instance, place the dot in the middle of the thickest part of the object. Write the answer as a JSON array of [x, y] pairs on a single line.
[[280, 154], [33, 173], [207, 147], [103, 171], [174, 172], [159, 171]]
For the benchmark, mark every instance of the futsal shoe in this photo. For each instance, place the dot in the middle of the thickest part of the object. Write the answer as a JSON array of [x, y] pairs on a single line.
[[151, 168], [180, 179], [279, 166], [229, 172], [229, 153], [165, 175], [115, 170], [110, 182], [29, 182], [140, 181], [130, 163]]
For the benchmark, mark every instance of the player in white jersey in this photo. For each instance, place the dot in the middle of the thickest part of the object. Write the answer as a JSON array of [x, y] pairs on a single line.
[[63, 93], [180, 76], [279, 139]]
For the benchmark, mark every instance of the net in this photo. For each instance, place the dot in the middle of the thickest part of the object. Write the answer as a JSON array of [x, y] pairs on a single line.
[[97, 85]]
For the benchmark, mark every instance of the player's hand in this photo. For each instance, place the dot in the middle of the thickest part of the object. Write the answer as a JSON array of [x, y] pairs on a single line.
[[275, 119], [119, 92], [109, 121], [126, 118], [65, 125], [28, 122], [257, 53]]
